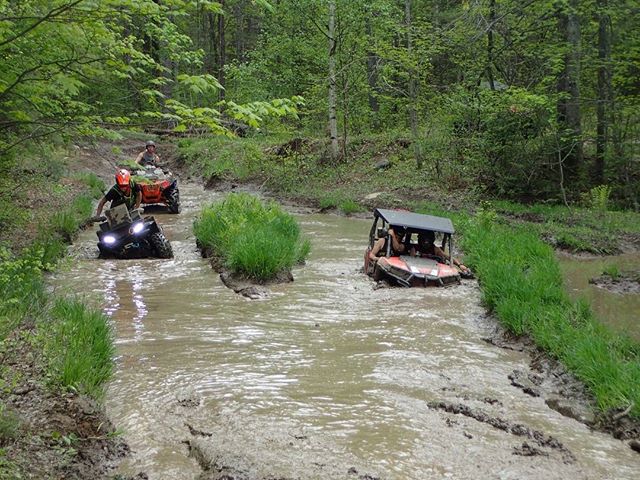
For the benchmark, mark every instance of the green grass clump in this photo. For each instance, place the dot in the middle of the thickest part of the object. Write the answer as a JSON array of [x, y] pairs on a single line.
[[255, 239], [521, 282], [79, 345], [613, 271], [9, 424], [349, 206], [66, 222], [95, 184]]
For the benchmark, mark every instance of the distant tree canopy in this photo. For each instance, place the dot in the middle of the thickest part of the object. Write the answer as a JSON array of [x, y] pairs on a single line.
[[526, 99]]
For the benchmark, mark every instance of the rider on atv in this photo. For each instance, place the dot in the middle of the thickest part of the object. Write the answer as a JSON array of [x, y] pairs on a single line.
[[124, 191], [149, 155]]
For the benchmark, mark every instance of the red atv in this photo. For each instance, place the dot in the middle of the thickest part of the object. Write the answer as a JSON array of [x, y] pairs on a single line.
[[158, 187]]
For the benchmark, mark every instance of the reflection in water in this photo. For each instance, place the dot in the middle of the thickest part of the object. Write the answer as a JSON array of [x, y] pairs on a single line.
[[124, 302], [325, 359]]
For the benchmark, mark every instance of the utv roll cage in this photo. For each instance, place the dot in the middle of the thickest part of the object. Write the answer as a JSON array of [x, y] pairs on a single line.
[[412, 223]]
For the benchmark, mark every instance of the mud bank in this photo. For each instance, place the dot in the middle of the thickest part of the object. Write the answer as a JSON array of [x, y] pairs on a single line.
[[623, 283]]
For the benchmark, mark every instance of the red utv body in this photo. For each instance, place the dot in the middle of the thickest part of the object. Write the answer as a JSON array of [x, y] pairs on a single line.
[[406, 270]]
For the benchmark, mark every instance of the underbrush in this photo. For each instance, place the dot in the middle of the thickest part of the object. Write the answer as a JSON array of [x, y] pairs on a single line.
[[254, 239], [521, 282]]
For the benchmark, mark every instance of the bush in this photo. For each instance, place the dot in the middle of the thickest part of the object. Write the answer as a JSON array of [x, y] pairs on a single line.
[[255, 239]]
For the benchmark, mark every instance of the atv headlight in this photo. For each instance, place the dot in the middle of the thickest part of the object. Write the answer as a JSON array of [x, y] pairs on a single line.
[[137, 228], [109, 239]]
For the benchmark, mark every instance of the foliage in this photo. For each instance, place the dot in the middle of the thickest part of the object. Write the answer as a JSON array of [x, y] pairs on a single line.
[[597, 199], [255, 239]]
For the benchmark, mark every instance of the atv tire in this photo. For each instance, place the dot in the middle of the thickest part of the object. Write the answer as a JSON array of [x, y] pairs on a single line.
[[161, 245], [173, 201], [378, 273]]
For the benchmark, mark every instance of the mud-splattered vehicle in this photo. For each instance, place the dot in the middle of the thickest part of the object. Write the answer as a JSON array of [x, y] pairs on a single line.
[[404, 269], [125, 234], [158, 187]]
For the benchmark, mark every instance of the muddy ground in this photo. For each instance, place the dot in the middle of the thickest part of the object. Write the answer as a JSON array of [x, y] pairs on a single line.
[[64, 435], [622, 283]]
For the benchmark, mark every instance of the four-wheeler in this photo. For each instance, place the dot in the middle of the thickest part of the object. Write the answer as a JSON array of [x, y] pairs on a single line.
[[125, 234], [158, 186], [404, 269]]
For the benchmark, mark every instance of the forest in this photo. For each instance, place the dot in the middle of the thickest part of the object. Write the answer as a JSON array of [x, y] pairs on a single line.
[[525, 100]]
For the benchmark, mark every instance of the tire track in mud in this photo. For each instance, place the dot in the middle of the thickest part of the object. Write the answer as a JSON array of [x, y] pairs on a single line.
[[517, 429]]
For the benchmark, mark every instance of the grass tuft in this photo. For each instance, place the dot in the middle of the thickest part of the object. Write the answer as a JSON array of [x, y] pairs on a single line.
[[255, 239], [79, 345]]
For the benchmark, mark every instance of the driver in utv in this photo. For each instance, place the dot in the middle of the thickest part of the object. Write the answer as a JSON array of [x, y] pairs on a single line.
[[427, 248], [124, 191]]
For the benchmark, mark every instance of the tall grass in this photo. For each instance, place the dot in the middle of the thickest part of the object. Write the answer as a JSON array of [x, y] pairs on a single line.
[[521, 282], [79, 346], [65, 222], [253, 238], [95, 183]]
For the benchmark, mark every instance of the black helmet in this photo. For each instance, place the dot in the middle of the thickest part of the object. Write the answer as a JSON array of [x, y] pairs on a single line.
[[150, 143]]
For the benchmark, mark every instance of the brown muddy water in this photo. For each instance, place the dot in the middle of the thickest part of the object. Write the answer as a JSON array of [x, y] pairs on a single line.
[[328, 378], [621, 311]]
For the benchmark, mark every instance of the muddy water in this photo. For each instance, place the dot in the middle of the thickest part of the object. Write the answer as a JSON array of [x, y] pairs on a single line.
[[621, 311], [328, 378]]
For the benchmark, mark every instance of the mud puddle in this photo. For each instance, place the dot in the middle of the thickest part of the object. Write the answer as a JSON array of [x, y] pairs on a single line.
[[325, 378]]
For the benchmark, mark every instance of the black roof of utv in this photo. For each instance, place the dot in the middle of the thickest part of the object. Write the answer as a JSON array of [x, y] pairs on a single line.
[[418, 221]]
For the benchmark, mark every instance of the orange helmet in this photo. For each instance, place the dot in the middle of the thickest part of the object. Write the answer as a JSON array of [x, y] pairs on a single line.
[[123, 177]]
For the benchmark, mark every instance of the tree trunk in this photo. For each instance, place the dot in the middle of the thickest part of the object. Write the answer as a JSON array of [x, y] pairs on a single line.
[[490, 46], [334, 149], [372, 75], [238, 11], [568, 87], [604, 90], [222, 50], [413, 89]]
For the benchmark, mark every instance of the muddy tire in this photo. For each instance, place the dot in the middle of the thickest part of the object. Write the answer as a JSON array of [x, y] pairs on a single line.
[[161, 245], [378, 273], [173, 201]]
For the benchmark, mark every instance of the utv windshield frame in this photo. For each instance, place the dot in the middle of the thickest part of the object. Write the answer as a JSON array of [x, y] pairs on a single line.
[[413, 223]]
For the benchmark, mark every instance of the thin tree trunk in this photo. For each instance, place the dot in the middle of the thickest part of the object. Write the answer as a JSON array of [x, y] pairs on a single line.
[[490, 45], [568, 86], [334, 149], [413, 89], [604, 90], [240, 30], [372, 75], [222, 51]]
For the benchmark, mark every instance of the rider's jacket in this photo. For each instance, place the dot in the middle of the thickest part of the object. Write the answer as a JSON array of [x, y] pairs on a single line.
[[118, 197]]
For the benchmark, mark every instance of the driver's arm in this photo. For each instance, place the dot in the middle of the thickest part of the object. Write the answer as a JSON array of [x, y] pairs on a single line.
[[395, 242], [139, 158], [138, 197], [101, 203]]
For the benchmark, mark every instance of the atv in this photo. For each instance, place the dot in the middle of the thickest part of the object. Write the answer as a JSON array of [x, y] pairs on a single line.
[[158, 186], [406, 270], [125, 234]]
